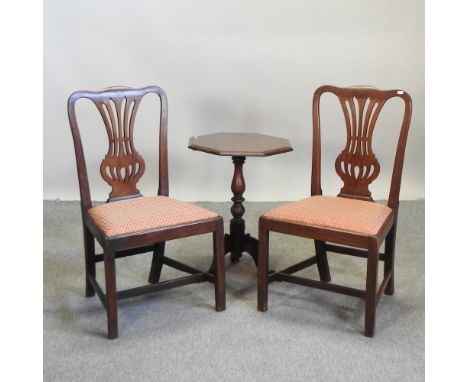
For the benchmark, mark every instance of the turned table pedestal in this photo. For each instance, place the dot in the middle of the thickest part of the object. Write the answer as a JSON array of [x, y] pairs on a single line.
[[239, 146]]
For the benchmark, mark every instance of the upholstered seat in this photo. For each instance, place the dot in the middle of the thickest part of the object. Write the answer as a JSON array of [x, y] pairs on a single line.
[[145, 214], [336, 213]]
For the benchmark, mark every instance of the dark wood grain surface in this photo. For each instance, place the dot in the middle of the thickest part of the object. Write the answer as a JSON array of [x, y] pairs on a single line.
[[240, 144]]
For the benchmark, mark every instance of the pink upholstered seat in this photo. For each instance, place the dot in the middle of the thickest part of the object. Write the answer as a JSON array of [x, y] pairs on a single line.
[[336, 213], [145, 214]]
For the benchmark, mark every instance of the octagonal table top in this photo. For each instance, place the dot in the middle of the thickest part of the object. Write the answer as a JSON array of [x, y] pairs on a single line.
[[240, 144]]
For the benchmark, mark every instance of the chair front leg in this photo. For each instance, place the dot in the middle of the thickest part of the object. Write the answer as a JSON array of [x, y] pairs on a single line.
[[262, 270], [322, 261], [219, 272], [371, 287], [157, 262], [90, 263], [389, 263], [111, 295]]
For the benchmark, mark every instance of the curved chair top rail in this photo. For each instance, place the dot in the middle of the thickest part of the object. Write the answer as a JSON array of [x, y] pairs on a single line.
[[123, 166], [357, 164], [115, 92]]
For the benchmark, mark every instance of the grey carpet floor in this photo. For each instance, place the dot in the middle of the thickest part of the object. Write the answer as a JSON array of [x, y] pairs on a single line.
[[176, 335]]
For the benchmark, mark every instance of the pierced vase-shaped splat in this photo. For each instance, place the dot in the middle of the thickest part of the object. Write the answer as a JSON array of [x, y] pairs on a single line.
[[357, 165], [123, 166]]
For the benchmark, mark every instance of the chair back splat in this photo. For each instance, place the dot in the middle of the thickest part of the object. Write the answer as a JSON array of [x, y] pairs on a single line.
[[357, 164], [122, 166]]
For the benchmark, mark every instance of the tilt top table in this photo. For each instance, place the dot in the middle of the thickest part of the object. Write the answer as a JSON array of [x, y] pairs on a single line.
[[239, 146]]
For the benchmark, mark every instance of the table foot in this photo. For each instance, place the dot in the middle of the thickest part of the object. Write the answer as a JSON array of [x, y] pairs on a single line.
[[247, 244], [235, 257]]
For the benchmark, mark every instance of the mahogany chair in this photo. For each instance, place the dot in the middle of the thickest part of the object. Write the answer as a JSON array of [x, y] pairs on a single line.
[[350, 223], [129, 223]]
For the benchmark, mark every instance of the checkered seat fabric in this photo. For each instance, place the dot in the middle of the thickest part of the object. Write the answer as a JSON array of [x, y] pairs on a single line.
[[335, 213], [145, 214]]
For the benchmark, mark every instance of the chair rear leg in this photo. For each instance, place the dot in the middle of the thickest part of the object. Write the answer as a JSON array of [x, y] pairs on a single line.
[[111, 295], [157, 262], [371, 288], [389, 263], [322, 261], [90, 264], [219, 272], [262, 275]]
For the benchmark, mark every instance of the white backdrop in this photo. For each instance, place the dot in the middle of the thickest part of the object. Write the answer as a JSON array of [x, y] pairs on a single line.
[[231, 66]]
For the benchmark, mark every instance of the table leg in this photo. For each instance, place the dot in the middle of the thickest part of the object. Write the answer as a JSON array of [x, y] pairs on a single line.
[[237, 241]]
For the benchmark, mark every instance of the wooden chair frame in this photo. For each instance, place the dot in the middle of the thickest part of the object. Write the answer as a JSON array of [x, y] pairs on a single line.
[[351, 166], [122, 168]]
